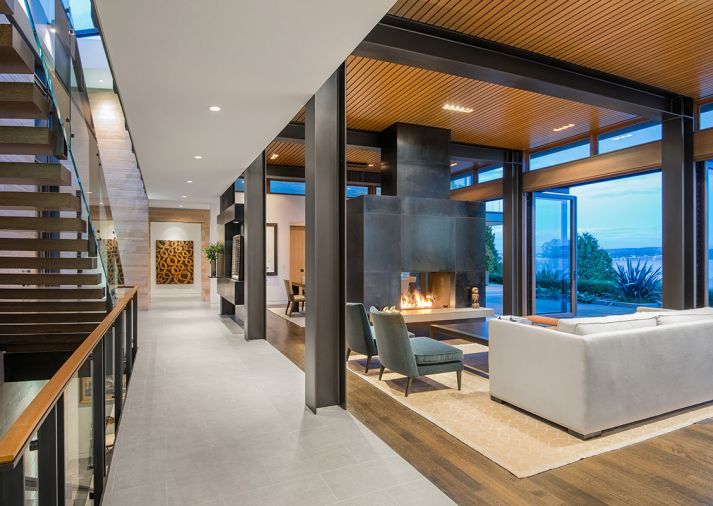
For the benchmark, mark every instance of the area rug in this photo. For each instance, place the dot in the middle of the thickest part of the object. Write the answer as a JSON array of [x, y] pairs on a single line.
[[521, 443], [296, 318]]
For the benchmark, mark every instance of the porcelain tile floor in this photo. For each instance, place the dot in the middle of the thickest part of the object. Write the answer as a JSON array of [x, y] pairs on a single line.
[[213, 420]]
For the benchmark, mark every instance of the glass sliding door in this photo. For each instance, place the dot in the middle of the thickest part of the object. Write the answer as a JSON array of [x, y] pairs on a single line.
[[555, 228]]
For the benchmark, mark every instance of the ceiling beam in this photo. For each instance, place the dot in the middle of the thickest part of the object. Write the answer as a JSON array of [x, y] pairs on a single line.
[[416, 44], [293, 173], [294, 132]]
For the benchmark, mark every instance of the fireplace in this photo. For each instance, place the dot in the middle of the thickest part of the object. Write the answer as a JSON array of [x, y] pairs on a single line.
[[427, 290], [413, 246]]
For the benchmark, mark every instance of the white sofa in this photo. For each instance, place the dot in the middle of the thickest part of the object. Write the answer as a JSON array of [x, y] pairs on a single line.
[[592, 374]]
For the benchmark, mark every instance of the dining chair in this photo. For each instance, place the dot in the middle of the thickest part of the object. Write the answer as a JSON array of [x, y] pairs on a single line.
[[293, 298]]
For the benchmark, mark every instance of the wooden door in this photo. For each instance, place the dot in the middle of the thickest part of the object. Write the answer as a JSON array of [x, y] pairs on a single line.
[[297, 252]]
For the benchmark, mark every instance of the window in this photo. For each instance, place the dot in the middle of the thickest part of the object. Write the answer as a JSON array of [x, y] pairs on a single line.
[[240, 184], [287, 187], [560, 154], [490, 173], [494, 255], [80, 11], [378, 190], [631, 136], [705, 120], [357, 191], [461, 181]]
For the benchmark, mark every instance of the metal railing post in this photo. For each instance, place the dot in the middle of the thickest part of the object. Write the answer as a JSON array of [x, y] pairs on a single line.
[[118, 370], [47, 437], [12, 484], [99, 419], [135, 321]]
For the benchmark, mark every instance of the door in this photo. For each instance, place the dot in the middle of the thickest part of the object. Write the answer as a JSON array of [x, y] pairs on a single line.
[[297, 253], [555, 248]]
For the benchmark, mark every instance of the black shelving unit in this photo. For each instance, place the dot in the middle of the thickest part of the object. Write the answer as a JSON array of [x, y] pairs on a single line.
[[230, 223]]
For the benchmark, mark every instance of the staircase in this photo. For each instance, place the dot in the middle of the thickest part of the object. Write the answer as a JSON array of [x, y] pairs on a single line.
[[52, 293]]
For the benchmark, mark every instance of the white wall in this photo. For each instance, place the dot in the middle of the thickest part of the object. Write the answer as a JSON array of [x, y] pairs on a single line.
[[214, 212], [165, 231], [285, 210]]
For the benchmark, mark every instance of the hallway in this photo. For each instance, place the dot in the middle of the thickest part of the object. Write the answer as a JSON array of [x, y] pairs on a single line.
[[214, 420]]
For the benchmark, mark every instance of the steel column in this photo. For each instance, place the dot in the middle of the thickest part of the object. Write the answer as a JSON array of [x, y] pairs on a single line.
[[255, 305], [325, 203], [98, 419], [135, 321], [12, 484], [47, 436], [702, 234], [679, 213], [515, 293], [128, 341], [119, 369]]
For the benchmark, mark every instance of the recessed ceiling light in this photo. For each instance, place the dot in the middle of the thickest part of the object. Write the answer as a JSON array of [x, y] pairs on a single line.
[[101, 80], [184, 196], [89, 193], [101, 203], [457, 108], [214, 108], [371, 165], [453, 164], [189, 181], [53, 30], [181, 205], [198, 157], [563, 127], [274, 156]]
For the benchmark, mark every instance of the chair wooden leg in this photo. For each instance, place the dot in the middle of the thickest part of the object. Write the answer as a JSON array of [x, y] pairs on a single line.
[[348, 352], [381, 372], [287, 309], [408, 385], [368, 359], [460, 377]]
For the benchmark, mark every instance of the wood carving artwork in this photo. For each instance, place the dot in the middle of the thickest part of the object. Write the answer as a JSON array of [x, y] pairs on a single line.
[[174, 262], [110, 247]]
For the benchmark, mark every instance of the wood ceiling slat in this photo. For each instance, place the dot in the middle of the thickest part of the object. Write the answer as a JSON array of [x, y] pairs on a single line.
[[381, 93], [293, 154], [663, 43]]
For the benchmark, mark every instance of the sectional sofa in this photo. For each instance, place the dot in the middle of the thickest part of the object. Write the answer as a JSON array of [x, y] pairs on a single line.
[[593, 374]]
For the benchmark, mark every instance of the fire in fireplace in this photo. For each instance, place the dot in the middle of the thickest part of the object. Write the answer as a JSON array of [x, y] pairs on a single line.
[[427, 290]]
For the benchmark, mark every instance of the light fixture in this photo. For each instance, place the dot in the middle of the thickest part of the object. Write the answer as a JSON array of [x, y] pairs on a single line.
[[214, 108], [563, 127], [180, 205], [101, 80], [457, 108], [189, 181], [274, 156], [371, 165], [53, 30], [184, 196], [101, 203], [89, 193], [620, 137], [198, 157], [453, 164]]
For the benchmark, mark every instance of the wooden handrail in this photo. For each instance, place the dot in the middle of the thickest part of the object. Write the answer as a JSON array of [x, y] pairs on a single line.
[[19, 434]]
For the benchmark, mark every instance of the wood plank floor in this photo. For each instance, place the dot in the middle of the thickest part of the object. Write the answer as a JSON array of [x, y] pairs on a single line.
[[676, 468]]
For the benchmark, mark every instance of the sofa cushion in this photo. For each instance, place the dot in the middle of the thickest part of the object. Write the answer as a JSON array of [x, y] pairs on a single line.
[[430, 351], [373, 333], [587, 326], [685, 316]]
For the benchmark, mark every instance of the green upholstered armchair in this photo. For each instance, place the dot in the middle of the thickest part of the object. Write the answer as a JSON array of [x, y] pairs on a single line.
[[419, 356]]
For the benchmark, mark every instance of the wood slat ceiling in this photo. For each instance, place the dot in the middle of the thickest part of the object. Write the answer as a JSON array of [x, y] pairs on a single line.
[[381, 93], [293, 154], [663, 43]]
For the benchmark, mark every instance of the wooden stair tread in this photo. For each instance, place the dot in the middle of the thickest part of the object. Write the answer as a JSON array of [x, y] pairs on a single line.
[[43, 224], [12, 134], [51, 307], [8, 340], [83, 263], [91, 317], [46, 328], [49, 174], [26, 100], [16, 56], [51, 293], [7, 244], [40, 348], [44, 201], [50, 279]]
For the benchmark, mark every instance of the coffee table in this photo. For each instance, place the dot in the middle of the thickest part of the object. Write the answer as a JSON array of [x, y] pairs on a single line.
[[475, 331]]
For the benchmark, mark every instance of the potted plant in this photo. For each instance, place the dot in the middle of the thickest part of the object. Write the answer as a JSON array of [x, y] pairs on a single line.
[[211, 252]]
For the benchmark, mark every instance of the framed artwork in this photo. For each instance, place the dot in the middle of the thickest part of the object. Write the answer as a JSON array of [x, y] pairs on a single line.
[[271, 249], [85, 389], [174, 263]]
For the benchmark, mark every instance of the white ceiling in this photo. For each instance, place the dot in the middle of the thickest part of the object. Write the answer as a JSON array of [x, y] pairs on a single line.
[[259, 60]]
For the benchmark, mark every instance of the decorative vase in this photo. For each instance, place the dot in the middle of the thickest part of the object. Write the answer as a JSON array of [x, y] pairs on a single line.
[[212, 269]]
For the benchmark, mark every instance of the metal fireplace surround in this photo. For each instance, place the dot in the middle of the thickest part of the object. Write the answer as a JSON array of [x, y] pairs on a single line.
[[413, 226]]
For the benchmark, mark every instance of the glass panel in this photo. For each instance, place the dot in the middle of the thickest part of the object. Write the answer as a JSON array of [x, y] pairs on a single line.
[[553, 240], [461, 181], [631, 136], [619, 230], [31, 467], [494, 260], [490, 173], [80, 11], [109, 378], [78, 417], [240, 184], [706, 117], [378, 190], [357, 191], [560, 154], [287, 187]]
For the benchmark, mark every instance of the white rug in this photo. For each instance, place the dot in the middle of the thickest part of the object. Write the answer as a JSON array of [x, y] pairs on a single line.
[[296, 318], [519, 442]]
